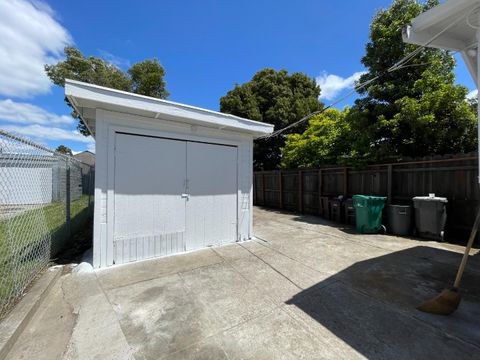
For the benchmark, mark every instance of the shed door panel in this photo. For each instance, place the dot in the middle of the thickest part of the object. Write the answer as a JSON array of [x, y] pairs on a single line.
[[212, 185], [150, 176]]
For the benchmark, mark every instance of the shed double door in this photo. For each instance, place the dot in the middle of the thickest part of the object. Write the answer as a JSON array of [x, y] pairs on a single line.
[[171, 196]]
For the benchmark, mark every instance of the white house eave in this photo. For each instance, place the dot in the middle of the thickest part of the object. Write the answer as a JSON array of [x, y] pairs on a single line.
[[448, 10], [445, 27], [87, 96], [446, 41]]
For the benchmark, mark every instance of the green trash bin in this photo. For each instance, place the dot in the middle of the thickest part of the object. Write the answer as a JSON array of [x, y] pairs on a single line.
[[368, 213]]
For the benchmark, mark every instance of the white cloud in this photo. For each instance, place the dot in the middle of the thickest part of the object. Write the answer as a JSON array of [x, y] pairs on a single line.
[[331, 85], [30, 37], [24, 113], [90, 147], [472, 94], [115, 60], [42, 133]]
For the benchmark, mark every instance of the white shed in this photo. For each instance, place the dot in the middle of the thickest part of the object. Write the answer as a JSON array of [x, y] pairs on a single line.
[[169, 177]]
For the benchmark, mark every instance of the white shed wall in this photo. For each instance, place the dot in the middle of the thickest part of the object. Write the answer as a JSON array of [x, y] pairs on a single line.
[[108, 123]]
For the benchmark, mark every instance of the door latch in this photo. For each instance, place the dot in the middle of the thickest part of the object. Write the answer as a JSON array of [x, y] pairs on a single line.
[[186, 196]]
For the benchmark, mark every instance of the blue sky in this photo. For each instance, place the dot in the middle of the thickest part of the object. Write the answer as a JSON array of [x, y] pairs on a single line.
[[205, 46]]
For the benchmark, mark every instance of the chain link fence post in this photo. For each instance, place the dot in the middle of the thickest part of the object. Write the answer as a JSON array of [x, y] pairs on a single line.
[[68, 225]]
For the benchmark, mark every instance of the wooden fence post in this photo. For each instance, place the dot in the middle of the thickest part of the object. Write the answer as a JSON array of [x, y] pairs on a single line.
[[280, 189], [345, 182], [320, 186], [389, 183], [300, 191], [263, 188]]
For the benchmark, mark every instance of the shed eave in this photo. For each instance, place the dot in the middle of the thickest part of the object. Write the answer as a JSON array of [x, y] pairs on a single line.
[[87, 97]]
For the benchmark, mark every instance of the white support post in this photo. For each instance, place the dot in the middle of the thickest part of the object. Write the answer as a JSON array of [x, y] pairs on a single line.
[[478, 98]]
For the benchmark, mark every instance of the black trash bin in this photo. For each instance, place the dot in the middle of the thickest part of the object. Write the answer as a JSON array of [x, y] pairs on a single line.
[[336, 209], [430, 216], [349, 212], [400, 219]]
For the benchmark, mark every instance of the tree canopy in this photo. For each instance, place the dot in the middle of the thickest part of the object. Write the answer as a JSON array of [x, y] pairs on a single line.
[[417, 110], [145, 78], [386, 47], [324, 142], [275, 97], [62, 149], [412, 112]]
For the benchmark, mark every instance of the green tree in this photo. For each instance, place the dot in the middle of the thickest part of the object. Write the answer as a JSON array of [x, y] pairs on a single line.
[[144, 78], [386, 47], [62, 149], [147, 79], [325, 141], [415, 111], [91, 70], [274, 97]]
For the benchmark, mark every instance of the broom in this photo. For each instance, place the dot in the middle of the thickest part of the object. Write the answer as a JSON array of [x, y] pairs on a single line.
[[448, 300]]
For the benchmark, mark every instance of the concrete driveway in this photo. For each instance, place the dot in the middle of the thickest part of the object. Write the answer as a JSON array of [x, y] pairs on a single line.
[[303, 289]]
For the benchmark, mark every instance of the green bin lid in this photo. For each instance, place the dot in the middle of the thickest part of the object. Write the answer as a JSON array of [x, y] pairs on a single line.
[[368, 197]]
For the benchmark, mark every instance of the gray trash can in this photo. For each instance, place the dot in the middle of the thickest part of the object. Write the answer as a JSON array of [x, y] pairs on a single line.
[[430, 216], [400, 219]]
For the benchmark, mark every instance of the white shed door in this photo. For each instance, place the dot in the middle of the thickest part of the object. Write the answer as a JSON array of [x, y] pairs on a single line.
[[153, 217], [212, 185], [150, 176]]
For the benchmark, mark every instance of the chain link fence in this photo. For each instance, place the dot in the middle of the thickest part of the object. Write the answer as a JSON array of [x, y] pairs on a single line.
[[45, 198]]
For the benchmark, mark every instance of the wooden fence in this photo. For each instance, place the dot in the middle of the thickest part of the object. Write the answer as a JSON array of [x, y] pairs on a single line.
[[454, 177]]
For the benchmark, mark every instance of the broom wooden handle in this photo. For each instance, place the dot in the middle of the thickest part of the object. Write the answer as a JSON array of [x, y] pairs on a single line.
[[473, 233]]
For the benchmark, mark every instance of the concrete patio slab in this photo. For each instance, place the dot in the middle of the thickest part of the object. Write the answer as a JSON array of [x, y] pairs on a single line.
[[275, 335], [160, 316], [265, 278], [303, 289], [151, 269]]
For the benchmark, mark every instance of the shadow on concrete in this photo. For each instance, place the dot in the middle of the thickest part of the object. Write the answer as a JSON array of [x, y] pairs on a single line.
[[371, 306]]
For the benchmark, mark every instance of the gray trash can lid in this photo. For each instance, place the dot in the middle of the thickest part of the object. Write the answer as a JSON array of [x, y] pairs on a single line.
[[428, 198]]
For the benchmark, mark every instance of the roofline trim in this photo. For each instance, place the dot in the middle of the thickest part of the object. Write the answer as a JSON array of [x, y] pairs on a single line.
[[75, 90]]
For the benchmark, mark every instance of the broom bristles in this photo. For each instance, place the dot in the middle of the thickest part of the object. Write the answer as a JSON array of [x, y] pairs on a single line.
[[443, 304]]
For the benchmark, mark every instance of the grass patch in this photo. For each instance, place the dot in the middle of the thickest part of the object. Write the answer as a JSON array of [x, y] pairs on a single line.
[[27, 241]]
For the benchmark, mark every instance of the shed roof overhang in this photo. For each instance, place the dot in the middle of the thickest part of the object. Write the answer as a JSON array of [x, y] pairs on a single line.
[[449, 26], [86, 98]]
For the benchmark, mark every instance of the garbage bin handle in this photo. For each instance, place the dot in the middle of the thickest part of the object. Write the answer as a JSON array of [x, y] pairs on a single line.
[[402, 212]]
